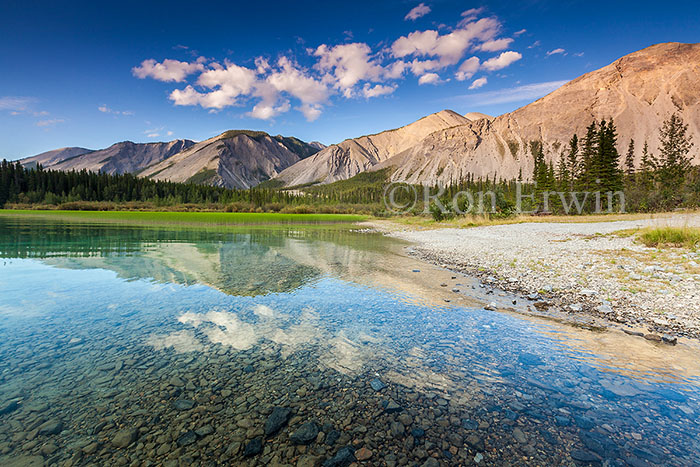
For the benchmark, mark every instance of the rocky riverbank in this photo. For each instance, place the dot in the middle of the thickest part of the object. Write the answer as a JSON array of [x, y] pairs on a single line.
[[577, 268]]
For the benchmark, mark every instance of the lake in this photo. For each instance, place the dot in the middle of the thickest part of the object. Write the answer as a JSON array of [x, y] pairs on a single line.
[[287, 345]]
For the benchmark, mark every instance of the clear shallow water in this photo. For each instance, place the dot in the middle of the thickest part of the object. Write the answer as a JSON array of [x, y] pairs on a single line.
[[179, 344]]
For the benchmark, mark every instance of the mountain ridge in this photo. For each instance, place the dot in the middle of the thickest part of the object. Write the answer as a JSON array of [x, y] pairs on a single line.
[[233, 159], [354, 155], [119, 158], [639, 91]]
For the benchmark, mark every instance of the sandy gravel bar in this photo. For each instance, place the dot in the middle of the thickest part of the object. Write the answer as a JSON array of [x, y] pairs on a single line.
[[577, 268]]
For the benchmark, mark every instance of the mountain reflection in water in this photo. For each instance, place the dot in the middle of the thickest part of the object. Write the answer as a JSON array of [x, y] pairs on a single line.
[[278, 304]]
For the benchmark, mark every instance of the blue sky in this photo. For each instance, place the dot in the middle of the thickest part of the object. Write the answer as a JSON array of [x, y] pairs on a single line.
[[87, 74]]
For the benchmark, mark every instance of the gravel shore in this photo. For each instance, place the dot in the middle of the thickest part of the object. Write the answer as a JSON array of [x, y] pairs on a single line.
[[577, 268]]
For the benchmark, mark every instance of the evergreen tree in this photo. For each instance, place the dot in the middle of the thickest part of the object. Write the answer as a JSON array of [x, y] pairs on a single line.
[[608, 163], [574, 168], [563, 176], [675, 147], [588, 172], [647, 168], [629, 159], [551, 179], [540, 175]]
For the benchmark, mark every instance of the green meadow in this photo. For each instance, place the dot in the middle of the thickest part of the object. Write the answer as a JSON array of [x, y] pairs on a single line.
[[203, 219]]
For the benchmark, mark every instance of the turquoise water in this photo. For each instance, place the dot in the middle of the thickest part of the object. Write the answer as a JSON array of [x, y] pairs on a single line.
[[154, 346]]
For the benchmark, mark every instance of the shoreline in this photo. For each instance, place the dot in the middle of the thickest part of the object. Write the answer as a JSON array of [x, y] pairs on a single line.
[[575, 271]]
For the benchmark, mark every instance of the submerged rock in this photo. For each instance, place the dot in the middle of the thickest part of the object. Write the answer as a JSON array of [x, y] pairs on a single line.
[[519, 436], [584, 422], [584, 456], [182, 404], [377, 384], [8, 407], [599, 443], [363, 454], [671, 340], [125, 437], [305, 434], [204, 431], [253, 447], [391, 407], [277, 419], [468, 424], [187, 438], [332, 437], [529, 359], [343, 458], [52, 427]]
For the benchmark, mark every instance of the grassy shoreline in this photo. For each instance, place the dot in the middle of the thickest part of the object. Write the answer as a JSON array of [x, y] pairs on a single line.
[[196, 219]]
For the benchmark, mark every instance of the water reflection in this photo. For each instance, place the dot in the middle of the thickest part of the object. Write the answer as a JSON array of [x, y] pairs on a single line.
[[95, 316]]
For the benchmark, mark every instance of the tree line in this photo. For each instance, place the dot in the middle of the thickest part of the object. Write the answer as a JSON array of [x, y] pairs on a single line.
[[31, 186], [594, 164]]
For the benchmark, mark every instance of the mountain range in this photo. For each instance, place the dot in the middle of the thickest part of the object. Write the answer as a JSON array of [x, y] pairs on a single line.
[[639, 91], [119, 158], [234, 159]]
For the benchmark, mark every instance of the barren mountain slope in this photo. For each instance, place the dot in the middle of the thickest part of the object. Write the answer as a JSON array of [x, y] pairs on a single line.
[[352, 156], [51, 158], [119, 158], [234, 159], [639, 91]]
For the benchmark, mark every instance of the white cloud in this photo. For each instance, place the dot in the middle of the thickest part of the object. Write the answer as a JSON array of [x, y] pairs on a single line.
[[477, 83], [418, 11], [495, 45], [347, 64], [349, 70], [448, 48], [261, 65], [556, 52], [310, 111], [222, 86], [470, 15], [395, 70], [168, 70], [154, 132], [520, 33], [226, 85], [295, 81], [429, 78], [526, 92], [208, 100], [48, 123], [467, 69], [104, 109], [377, 90], [238, 79], [16, 104], [265, 111], [502, 61], [269, 105], [419, 67]]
